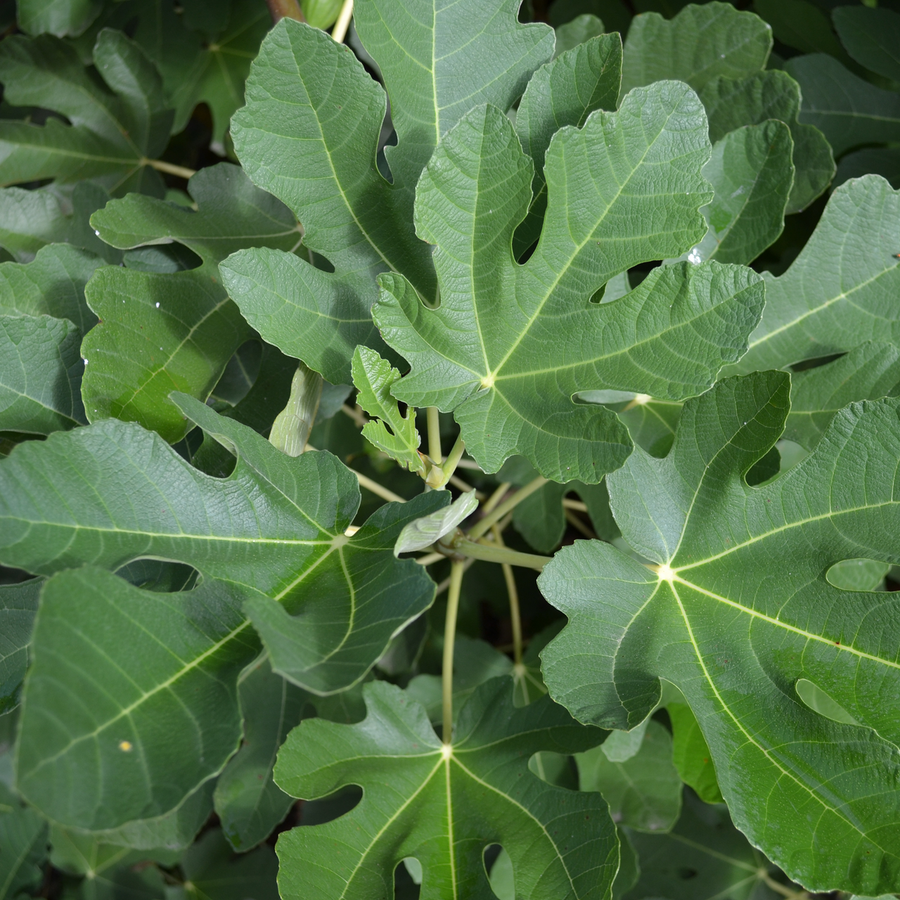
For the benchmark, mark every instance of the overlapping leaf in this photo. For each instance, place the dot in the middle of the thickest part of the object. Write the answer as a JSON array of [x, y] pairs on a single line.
[[564, 92], [249, 804], [173, 331], [737, 609], [444, 804], [841, 290], [751, 173], [696, 45], [732, 103], [440, 60], [115, 127], [40, 373], [510, 344], [18, 605], [437, 63], [161, 674], [846, 109], [275, 525]]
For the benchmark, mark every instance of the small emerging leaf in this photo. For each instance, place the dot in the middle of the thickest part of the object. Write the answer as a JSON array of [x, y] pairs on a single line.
[[424, 532], [394, 433]]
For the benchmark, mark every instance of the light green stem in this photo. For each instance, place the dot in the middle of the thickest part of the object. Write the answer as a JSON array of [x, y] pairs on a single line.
[[169, 168], [515, 615], [456, 574], [433, 419], [492, 553], [339, 32], [497, 514]]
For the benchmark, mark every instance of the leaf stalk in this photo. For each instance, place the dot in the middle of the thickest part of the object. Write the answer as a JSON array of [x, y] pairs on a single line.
[[482, 527], [456, 574]]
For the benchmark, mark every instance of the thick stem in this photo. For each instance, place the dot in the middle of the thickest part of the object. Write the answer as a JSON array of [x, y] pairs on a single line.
[[169, 168], [492, 553], [485, 524], [339, 32], [515, 615], [456, 574], [433, 420]]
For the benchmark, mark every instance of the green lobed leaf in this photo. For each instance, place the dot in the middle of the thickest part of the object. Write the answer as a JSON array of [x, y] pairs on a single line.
[[389, 430], [840, 290], [732, 103], [40, 375], [283, 534], [163, 332], [695, 46], [564, 92], [440, 60], [32, 219], [444, 807], [351, 214], [751, 173], [644, 791], [383, 598], [846, 109], [115, 124], [738, 609], [867, 372], [18, 605], [163, 714], [248, 803], [51, 285], [871, 37], [499, 351]]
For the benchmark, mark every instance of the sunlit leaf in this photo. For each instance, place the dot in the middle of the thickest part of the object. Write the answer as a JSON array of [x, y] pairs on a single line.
[[482, 353], [736, 608]]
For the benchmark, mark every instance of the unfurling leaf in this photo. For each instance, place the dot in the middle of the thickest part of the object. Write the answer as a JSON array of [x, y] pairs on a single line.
[[389, 430]]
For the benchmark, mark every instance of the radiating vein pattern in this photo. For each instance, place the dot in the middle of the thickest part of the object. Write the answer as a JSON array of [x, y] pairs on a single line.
[[444, 803], [511, 344], [269, 542], [734, 607]]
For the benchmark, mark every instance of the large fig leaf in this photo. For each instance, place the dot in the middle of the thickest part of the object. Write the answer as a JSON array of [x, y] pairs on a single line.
[[275, 525], [735, 609], [444, 804], [511, 344], [164, 331], [115, 127]]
